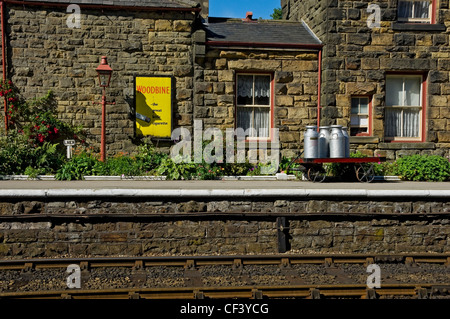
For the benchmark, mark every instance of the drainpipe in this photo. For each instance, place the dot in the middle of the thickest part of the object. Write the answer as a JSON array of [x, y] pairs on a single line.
[[2, 8], [319, 86]]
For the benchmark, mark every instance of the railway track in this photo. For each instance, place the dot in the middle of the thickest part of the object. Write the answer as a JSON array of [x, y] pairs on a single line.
[[219, 277]]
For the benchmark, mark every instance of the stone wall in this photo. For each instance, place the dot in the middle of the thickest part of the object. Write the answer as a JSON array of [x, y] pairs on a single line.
[[45, 54], [357, 58], [134, 227], [295, 78]]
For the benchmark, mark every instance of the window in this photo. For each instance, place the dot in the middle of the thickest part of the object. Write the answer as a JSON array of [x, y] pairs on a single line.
[[254, 104], [360, 116], [403, 117], [415, 11]]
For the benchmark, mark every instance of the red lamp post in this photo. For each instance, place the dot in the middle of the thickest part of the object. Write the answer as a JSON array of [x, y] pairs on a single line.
[[104, 72]]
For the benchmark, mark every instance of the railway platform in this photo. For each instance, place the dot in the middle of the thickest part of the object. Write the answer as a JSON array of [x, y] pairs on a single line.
[[257, 188]]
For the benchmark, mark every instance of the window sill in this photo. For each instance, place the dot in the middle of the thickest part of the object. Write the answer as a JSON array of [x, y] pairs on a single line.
[[363, 139], [407, 145], [399, 26]]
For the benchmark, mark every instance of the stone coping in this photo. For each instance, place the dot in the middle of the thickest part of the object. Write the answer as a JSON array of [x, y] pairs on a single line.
[[225, 193]]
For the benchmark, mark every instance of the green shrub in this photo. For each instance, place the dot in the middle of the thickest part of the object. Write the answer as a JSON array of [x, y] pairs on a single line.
[[423, 168], [18, 156], [78, 166], [175, 170]]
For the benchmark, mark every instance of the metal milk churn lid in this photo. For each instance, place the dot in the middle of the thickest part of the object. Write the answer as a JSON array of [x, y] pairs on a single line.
[[347, 141], [311, 138], [324, 142], [337, 142]]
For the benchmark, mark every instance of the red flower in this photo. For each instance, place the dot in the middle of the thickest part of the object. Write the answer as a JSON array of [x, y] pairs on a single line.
[[56, 130]]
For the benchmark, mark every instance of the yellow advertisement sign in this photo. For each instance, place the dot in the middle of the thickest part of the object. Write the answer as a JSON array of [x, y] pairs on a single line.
[[153, 102]]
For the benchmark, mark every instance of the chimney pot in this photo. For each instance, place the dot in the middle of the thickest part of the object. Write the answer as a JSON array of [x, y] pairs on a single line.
[[248, 16]]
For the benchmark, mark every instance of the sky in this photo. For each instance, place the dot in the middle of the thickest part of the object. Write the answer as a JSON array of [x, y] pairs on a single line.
[[238, 8]]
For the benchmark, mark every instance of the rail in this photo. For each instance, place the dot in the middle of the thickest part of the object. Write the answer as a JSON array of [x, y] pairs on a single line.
[[194, 290]]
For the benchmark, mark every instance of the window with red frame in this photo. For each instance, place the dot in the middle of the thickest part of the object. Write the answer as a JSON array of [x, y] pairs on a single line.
[[253, 99], [404, 106], [360, 116]]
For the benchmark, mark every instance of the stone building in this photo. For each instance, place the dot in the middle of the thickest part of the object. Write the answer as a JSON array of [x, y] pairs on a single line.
[[386, 67], [214, 62], [258, 74], [45, 51], [383, 70]]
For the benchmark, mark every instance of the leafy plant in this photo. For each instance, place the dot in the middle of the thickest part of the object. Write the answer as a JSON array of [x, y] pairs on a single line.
[[423, 168], [176, 169], [18, 156], [77, 167]]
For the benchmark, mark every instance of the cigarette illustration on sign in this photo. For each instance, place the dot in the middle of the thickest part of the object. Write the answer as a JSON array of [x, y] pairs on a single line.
[[153, 105]]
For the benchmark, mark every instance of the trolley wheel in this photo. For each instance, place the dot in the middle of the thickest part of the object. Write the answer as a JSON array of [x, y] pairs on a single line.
[[316, 174], [365, 175]]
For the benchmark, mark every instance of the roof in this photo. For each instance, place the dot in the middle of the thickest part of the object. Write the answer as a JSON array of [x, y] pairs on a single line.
[[176, 4], [259, 33]]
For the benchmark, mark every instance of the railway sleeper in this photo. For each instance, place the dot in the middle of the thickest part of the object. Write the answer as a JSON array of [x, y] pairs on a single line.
[[440, 290]]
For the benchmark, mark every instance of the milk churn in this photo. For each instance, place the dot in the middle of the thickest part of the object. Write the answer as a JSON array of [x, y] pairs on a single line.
[[337, 142], [310, 142], [324, 142], [347, 141]]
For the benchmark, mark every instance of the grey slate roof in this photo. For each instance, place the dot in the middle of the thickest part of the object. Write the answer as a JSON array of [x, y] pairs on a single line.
[[130, 3], [259, 32]]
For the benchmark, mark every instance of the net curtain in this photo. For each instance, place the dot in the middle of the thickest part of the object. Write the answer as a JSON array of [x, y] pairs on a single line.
[[413, 9], [256, 91]]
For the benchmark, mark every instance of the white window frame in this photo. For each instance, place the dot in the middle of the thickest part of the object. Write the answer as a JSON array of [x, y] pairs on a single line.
[[253, 105], [404, 107], [413, 19]]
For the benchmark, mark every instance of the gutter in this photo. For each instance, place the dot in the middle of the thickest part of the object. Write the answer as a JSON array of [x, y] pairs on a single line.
[[99, 6], [263, 44]]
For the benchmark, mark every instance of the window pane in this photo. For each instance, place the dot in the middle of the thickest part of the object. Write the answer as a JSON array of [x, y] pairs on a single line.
[[245, 89], [354, 120], [421, 9], [364, 106], [244, 117], [355, 105], [354, 131], [412, 94], [405, 9], [262, 118], [364, 120], [262, 90], [411, 123], [393, 122], [394, 91]]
